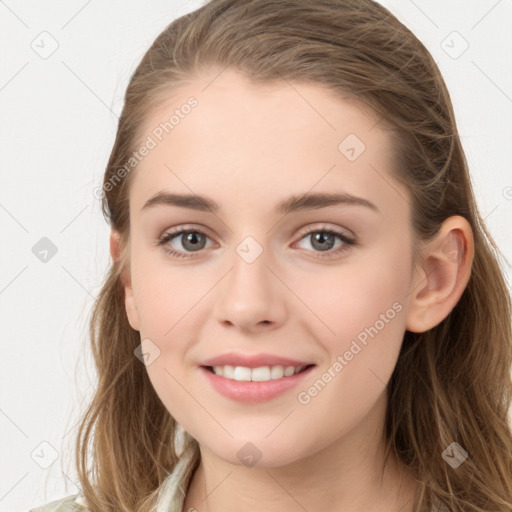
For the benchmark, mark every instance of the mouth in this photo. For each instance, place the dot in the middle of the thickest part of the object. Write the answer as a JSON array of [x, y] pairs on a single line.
[[255, 385], [259, 374]]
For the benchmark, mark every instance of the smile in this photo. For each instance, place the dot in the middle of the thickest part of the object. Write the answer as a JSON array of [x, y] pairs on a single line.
[[260, 374], [254, 385]]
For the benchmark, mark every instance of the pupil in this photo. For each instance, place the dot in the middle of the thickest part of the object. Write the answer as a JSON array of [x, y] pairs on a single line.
[[321, 239], [192, 239]]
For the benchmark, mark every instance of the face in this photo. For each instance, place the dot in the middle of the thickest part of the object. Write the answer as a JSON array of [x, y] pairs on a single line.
[[322, 284]]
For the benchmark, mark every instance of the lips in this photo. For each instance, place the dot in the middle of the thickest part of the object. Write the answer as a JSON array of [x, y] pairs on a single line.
[[251, 392], [253, 360]]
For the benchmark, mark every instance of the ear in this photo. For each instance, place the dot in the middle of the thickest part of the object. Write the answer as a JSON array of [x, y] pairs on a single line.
[[116, 251], [442, 275]]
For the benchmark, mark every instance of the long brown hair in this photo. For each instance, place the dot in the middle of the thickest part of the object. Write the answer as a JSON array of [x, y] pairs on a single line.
[[451, 383]]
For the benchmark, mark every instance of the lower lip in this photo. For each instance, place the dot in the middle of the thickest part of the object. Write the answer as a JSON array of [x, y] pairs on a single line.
[[253, 392]]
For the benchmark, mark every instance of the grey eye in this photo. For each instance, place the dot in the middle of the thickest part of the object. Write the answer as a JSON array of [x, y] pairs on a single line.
[[192, 240]]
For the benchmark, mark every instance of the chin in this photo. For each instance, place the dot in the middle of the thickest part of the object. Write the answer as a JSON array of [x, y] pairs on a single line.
[[258, 451]]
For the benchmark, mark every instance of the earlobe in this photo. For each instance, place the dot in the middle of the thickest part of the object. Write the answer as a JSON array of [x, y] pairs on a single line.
[[131, 307], [444, 273], [115, 251], [129, 298]]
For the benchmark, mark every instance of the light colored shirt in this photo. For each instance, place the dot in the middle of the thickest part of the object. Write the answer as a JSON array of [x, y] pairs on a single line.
[[73, 503], [171, 496]]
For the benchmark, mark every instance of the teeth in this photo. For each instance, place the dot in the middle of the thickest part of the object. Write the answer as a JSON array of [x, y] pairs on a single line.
[[260, 374]]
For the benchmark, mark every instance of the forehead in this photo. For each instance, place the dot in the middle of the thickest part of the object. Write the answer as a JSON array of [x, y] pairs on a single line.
[[266, 141]]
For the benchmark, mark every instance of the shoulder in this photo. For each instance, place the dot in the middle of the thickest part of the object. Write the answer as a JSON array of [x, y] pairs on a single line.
[[73, 503]]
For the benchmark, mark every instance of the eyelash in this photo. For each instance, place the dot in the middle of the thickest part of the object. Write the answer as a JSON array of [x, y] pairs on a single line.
[[167, 237]]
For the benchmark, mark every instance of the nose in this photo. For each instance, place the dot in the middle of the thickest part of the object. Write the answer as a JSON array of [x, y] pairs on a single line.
[[251, 297]]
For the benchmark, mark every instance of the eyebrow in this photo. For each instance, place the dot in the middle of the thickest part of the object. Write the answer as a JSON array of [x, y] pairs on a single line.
[[292, 204]]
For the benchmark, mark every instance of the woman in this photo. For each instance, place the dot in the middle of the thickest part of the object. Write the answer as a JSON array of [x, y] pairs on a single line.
[[305, 309]]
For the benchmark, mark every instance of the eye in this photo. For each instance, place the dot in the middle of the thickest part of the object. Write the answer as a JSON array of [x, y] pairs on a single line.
[[191, 240], [324, 240]]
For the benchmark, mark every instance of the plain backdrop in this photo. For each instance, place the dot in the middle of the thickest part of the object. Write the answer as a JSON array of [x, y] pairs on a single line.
[[64, 69]]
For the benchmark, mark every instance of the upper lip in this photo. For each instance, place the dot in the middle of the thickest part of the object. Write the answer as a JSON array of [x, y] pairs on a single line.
[[252, 360]]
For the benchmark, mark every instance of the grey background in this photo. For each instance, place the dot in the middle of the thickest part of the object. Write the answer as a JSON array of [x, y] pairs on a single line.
[[58, 119]]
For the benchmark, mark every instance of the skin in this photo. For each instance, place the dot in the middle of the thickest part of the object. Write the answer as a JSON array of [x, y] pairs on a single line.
[[248, 147]]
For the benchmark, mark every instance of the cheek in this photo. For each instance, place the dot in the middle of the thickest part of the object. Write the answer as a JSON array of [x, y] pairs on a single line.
[[361, 313], [170, 303], [360, 302], [163, 294], [348, 299]]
